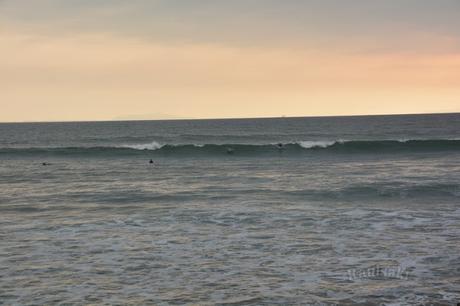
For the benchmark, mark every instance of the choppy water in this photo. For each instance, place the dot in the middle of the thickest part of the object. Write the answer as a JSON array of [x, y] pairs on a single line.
[[309, 223]]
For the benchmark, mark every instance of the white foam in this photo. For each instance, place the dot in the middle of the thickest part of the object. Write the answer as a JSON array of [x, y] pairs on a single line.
[[316, 144], [144, 146]]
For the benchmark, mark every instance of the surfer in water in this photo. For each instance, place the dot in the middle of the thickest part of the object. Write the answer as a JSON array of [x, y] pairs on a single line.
[[280, 146], [151, 161], [230, 151]]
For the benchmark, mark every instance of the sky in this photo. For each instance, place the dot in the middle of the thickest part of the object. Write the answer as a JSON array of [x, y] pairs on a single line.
[[72, 60]]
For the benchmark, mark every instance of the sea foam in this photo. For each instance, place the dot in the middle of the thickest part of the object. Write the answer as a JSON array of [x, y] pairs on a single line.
[[144, 146], [316, 144]]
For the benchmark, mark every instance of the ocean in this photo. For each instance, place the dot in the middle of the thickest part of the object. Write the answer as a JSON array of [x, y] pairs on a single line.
[[287, 211]]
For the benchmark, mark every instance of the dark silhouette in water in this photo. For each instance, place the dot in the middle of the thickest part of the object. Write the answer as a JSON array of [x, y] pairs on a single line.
[[46, 164], [230, 151], [150, 161], [280, 146]]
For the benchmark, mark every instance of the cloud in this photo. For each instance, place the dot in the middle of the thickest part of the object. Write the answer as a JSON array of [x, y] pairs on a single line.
[[358, 25]]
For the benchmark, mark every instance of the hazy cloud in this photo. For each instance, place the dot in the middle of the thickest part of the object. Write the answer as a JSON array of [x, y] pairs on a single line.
[[367, 25]]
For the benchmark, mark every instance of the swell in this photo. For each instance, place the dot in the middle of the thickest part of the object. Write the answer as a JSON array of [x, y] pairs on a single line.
[[292, 148], [388, 190]]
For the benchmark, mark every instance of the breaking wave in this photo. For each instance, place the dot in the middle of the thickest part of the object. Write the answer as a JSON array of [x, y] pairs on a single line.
[[144, 146], [291, 148]]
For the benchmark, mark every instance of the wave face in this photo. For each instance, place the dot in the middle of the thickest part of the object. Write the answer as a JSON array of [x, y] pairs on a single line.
[[293, 148]]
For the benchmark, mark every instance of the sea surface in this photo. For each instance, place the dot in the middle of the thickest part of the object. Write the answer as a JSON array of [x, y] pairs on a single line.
[[282, 211]]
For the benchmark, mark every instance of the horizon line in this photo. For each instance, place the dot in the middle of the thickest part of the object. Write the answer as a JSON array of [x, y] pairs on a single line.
[[233, 118]]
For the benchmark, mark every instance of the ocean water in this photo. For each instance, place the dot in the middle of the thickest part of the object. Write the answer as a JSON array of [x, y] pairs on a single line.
[[288, 211]]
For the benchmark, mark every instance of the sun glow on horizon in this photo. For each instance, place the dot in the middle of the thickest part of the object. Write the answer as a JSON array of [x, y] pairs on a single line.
[[104, 75]]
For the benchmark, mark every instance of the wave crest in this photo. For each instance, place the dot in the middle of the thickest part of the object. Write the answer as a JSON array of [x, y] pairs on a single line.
[[316, 144], [144, 146], [292, 148]]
